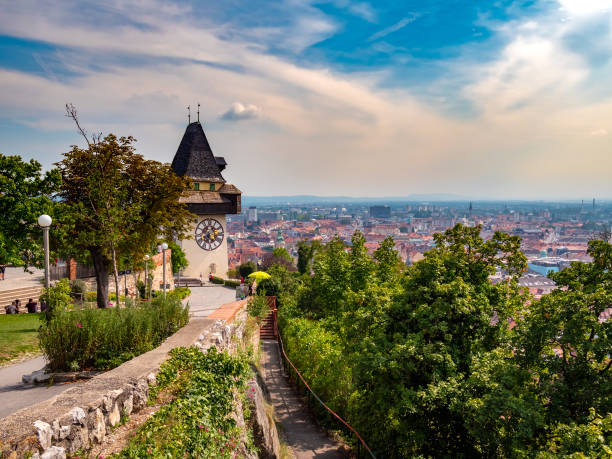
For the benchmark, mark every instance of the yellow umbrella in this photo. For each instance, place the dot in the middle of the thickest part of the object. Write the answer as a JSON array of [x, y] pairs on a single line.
[[260, 275]]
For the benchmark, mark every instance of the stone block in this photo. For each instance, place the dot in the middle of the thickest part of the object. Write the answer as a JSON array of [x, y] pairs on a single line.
[[54, 452], [78, 415], [114, 416], [128, 405], [97, 426], [44, 434]]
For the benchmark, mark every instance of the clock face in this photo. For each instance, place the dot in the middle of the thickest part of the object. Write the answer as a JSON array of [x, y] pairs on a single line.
[[209, 234]]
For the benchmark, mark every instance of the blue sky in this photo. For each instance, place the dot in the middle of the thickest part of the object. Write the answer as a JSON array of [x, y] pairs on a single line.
[[486, 99]]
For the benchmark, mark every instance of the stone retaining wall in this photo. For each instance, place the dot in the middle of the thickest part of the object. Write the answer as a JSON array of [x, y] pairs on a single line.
[[81, 416]]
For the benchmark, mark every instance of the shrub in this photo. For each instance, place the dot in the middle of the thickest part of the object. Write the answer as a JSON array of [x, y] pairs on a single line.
[[91, 296], [140, 286], [217, 280], [105, 338], [78, 288], [57, 298], [258, 308], [231, 283], [247, 268], [180, 292], [233, 274]]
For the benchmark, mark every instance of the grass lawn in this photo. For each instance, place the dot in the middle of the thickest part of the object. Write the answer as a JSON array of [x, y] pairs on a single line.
[[18, 335]]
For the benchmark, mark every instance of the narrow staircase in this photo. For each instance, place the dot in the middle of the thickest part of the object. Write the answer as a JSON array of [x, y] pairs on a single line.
[[266, 330]]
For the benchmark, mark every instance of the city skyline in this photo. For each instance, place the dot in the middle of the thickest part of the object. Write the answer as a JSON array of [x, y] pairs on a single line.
[[369, 99]]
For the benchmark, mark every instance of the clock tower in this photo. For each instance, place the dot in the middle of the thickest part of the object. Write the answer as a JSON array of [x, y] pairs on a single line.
[[210, 198]]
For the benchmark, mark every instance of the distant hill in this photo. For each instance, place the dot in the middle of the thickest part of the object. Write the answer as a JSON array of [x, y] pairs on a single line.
[[311, 199]]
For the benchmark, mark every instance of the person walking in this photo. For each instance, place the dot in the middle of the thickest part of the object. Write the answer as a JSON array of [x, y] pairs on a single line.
[[2, 270]]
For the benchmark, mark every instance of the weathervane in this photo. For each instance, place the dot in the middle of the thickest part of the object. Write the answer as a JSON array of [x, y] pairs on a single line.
[[188, 114], [198, 112]]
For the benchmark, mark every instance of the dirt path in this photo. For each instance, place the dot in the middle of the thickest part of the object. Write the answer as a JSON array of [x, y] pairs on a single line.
[[304, 437]]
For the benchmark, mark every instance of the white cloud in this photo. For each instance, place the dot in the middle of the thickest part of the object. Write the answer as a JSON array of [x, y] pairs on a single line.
[[323, 132], [585, 7], [394, 28], [238, 112]]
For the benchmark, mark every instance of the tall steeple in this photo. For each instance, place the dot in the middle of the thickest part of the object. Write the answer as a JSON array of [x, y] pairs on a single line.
[[194, 157]]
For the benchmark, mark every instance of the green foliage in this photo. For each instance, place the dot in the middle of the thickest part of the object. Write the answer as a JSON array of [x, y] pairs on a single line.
[[217, 280], [116, 204], [283, 253], [25, 194], [180, 292], [306, 253], [141, 287], [233, 274], [178, 257], [198, 423], [105, 338], [231, 283], [78, 288], [423, 362], [247, 268], [258, 307], [57, 298]]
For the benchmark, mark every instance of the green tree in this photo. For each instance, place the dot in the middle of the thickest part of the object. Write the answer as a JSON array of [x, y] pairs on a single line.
[[306, 253], [283, 253], [179, 259], [25, 194], [116, 204], [563, 340], [247, 268], [448, 320]]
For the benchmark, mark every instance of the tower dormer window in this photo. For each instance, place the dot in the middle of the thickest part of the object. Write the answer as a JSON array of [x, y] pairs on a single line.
[[211, 187], [196, 186]]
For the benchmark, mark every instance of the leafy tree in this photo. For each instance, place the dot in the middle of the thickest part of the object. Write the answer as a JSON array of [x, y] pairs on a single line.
[[179, 259], [283, 253], [562, 339], [25, 194], [306, 253], [389, 264], [117, 203], [447, 320], [247, 268]]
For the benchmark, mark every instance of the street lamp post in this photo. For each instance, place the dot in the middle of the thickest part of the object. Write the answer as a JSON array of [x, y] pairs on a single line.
[[45, 221], [147, 290], [164, 247]]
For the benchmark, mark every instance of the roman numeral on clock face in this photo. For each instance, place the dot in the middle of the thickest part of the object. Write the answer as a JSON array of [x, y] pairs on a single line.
[[209, 234]]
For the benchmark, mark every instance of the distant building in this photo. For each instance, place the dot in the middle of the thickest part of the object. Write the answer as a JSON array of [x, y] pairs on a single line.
[[252, 215], [380, 211]]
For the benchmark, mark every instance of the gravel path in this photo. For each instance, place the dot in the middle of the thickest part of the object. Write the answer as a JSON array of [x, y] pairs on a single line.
[[304, 437]]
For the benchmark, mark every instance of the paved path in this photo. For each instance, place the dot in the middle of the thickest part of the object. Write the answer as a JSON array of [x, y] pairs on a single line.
[[204, 300], [15, 395], [301, 433], [18, 278]]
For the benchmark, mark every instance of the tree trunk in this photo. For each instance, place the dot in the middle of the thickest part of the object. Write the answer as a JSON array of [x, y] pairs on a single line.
[[101, 268], [115, 272]]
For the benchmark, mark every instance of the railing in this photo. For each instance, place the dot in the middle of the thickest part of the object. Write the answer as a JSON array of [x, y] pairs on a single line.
[[363, 450]]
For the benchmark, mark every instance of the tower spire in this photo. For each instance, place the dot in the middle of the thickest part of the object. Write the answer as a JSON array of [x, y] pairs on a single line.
[[198, 112], [188, 114]]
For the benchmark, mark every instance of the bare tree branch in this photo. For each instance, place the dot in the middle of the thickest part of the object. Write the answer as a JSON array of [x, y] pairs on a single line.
[[71, 112]]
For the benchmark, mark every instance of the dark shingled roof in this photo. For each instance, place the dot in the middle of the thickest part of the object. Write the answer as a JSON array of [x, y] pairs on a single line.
[[194, 157]]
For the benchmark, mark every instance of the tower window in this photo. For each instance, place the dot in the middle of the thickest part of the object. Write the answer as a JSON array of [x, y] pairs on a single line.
[[196, 186], [211, 187]]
